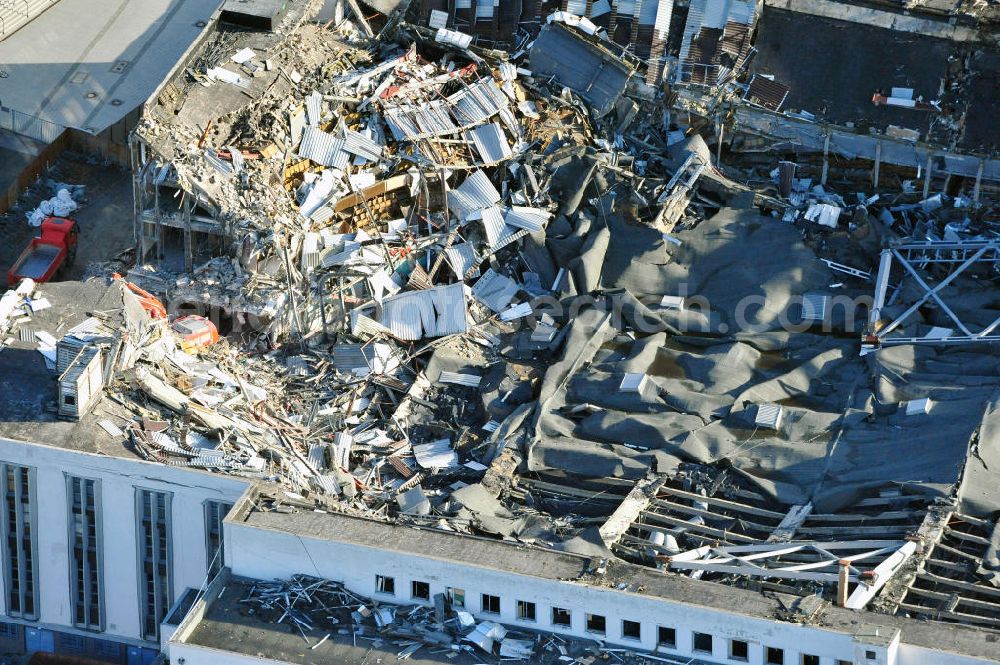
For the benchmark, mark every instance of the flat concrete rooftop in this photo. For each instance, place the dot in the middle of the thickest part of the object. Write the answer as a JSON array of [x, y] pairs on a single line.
[[28, 388], [520, 559], [88, 63]]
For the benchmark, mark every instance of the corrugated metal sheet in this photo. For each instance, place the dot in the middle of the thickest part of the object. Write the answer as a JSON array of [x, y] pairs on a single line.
[[664, 12], [327, 484], [430, 313], [400, 465], [340, 453], [498, 232], [350, 359], [595, 74], [648, 10], [408, 315], [323, 148], [474, 194], [358, 144], [401, 124], [223, 167], [495, 290], [494, 225], [765, 92], [578, 7], [436, 454], [467, 109], [317, 457], [531, 219], [450, 308], [491, 142], [814, 307], [462, 258]]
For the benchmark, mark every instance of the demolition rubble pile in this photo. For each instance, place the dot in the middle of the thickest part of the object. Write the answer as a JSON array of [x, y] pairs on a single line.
[[327, 615], [462, 294], [405, 228]]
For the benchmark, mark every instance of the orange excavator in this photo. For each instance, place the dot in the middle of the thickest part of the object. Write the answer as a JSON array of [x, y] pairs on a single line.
[[195, 332], [149, 302]]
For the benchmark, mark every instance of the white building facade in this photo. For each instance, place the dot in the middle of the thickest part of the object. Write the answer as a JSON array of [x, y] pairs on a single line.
[[97, 548], [644, 621]]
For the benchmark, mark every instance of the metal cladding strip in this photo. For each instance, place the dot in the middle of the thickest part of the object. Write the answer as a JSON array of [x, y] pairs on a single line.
[[470, 380], [314, 105], [450, 308]]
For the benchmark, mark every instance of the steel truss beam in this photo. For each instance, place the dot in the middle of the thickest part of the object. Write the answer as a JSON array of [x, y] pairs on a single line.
[[913, 256]]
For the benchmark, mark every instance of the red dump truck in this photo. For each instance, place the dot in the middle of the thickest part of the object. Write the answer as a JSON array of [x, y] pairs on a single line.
[[48, 253]]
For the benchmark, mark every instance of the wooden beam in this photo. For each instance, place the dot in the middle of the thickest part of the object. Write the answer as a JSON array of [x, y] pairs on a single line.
[[630, 508], [794, 518]]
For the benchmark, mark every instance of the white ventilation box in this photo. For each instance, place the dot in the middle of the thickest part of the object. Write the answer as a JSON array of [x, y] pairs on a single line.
[[634, 382], [814, 307], [769, 416], [672, 302], [915, 407]]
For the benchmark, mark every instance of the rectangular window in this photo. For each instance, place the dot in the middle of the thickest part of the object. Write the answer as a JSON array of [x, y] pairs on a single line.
[[561, 617], [808, 659], [20, 524], [420, 590], [774, 656], [491, 604], [596, 624], [457, 597], [870, 655], [525, 610], [86, 569], [386, 585], [739, 650], [631, 630], [666, 637], [155, 559], [845, 662], [215, 512], [703, 642]]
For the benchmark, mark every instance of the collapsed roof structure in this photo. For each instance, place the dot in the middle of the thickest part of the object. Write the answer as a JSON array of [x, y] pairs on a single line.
[[517, 295]]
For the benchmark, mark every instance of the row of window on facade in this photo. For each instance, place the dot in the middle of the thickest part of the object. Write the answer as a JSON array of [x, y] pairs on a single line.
[[597, 624], [85, 544]]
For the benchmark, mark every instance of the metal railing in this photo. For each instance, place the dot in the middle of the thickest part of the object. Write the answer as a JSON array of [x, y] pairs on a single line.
[[30, 125]]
